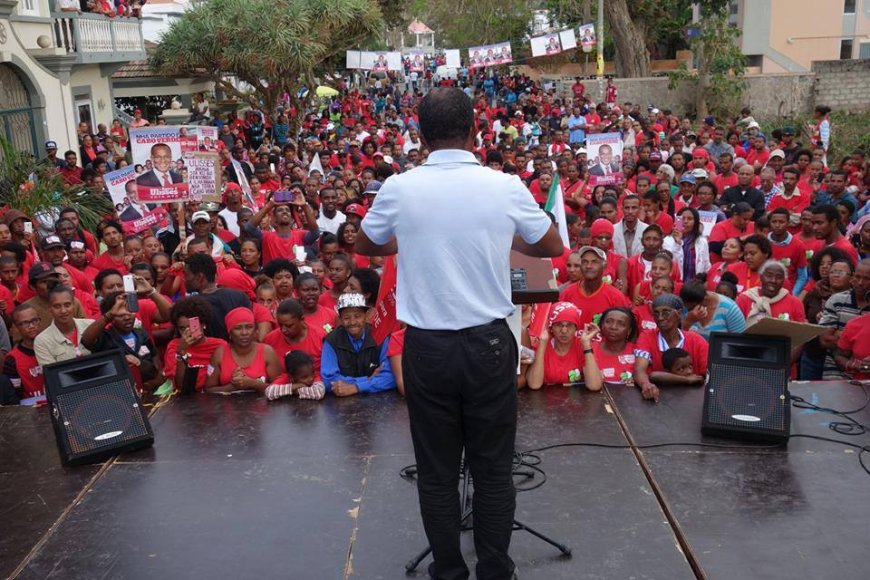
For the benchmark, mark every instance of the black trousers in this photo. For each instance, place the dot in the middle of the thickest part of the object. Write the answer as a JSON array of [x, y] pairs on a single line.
[[461, 393]]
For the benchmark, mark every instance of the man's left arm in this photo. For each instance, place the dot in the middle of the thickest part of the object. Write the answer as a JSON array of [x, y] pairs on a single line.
[[377, 234]]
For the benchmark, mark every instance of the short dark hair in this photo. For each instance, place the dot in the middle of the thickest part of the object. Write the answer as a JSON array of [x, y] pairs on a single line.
[[191, 307], [446, 117], [693, 292], [296, 360], [202, 264], [280, 265], [290, 306], [109, 301], [370, 283], [304, 277], [671, 356], [103, 274], [761, 241], [829, 211]]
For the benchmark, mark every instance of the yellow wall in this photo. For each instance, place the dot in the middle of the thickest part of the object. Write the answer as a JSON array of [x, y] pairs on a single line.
[[798, 19]]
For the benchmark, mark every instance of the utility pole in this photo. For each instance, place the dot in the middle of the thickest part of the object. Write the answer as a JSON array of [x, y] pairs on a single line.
[[600, 36]]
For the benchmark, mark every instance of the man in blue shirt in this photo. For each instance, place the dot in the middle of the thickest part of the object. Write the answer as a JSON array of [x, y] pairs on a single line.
[[351, 362]]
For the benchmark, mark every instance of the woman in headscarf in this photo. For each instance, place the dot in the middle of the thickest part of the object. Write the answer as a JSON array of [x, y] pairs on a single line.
[[649, 370], [242, 363], [770, 299], [237, 280], [601, 232], [559, 359]]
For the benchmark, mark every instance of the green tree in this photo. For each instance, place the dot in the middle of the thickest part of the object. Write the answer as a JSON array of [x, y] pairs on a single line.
[[461, 23], [274, 46], [720, 62], [37, 189]]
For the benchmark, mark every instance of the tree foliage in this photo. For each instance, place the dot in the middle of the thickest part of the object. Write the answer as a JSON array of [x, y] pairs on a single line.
[[464, 23], [37, 189], [274, 46], [721, 64]]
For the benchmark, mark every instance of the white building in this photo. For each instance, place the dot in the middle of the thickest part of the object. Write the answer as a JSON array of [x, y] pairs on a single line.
[[56, 69], [158, 16]]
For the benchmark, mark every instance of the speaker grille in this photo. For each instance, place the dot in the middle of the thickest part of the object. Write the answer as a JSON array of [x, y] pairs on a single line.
[[759, 393], [98, 417]]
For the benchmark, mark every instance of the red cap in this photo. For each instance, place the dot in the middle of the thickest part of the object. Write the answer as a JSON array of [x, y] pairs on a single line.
[[700, 152], [355, 209], [601, 226]]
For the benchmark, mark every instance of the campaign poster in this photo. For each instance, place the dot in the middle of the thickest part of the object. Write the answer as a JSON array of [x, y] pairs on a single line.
[[605, 158], [489, 55], [587, 34], [546, 45], [135, 218], [381, 61], [418, 63], [568, 40], [159, 151], [451, 58], [203, 175], [708, 220]]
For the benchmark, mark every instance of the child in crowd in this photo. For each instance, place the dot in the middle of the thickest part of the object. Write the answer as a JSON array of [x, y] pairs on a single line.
[[677, 361], [299, 378]]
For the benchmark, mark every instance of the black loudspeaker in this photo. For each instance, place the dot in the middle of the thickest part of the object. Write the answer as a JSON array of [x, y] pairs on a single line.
[[94, 407], [747, 396]]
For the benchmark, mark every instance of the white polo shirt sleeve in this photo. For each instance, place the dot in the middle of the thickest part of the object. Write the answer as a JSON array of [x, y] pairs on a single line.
[[380, 221], [530, 222]]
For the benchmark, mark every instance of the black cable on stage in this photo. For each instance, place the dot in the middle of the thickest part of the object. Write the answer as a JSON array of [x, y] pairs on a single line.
[[848, 427]]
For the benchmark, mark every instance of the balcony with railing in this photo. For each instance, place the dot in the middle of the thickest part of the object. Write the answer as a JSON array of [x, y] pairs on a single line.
[[93, 38]]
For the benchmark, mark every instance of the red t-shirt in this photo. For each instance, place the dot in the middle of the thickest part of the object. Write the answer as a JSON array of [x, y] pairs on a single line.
[[644, 316], [856, 338], [327, 300], [200, 357], [567, 368], [714, 276], [592, 305], [692, 342], [560, 264], [615, 368], [812, 246], [755, 156], [789, 308], [6, 296], [746, 278], [725, 230], [312, 345], [638, 272], [324, 318], [397, 343], [665, 222], [792, 255], [843, 244], [275, 246], [21, 362], [104, 261], [794, 204], [256, 370]]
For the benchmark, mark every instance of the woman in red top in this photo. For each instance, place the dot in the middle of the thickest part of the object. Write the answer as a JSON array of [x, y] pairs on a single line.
[[296, 332], [732, 252], [853, 346], [340, 271], [189, 351], [308, 291], [601, 232], [119, 133], [347, 233], [243, 363], [643, 314], [756, 251], [559, 360], [770, 299], [652, 344], [613, 356]]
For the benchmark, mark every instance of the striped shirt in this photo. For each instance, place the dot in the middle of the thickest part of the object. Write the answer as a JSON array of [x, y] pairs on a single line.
[[839, 309], [726, 318]]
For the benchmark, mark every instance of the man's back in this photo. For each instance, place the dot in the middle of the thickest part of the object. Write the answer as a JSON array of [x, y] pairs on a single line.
[[455, 222]]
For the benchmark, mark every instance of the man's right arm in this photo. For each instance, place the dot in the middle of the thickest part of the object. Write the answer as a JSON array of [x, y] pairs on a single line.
[[549, 246]]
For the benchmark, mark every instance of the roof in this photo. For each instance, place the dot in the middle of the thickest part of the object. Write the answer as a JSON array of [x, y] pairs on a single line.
[[417, 27]]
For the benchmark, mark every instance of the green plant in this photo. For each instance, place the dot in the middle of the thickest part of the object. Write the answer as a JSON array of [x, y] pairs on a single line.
[[849, 131], [37, 189]]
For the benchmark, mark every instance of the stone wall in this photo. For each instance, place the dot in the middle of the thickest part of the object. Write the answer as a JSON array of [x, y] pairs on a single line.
[[839, 84], [843, 84]]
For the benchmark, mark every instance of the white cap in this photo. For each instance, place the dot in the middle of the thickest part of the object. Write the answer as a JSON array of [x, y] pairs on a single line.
[[351, 300], [581, 150], [777, 153], [200, 215], [753, 125]]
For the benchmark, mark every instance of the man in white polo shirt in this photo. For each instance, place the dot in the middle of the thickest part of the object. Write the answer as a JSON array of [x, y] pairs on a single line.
[[456, 222]]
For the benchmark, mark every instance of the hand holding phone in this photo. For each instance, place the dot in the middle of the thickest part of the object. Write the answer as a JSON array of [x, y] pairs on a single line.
[[130, 290], [282, 196], [28, 227], [678, 223], [195, 327]]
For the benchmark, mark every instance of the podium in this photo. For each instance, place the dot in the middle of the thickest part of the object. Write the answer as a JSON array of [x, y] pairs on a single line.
[[532, 280]]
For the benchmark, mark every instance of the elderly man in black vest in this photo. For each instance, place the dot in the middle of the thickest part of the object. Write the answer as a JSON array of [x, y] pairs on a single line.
[[351, 361]]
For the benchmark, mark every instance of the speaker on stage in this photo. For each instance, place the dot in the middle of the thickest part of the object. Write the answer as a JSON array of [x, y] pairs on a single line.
[[747, 396], [95, 410]]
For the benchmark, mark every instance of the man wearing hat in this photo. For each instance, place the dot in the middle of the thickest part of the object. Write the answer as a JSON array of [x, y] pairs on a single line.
[[351, 361], [202, 226], [590, 294], [51, 156], [14, 220], [42, 278], [460, 357], [789, 146], [233, 202], [354, 213], [53, 251]]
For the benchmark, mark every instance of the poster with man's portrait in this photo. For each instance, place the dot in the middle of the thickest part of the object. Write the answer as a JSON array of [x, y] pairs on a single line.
[[604, 158]]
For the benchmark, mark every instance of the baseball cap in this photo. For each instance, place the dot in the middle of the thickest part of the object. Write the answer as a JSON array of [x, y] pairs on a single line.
[[50, 145], [355, 209], [687, 178], [581, 151], [753, 125], [373, 186], [200, 215], [598, 251], [700, 173], [788, 131], [209, 206], [52, 242], [351, 300], [777, 153], [655, 155], [40, 271]]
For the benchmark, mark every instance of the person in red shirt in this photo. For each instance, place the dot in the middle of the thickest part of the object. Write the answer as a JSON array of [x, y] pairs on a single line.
[[308, 292], [758, 153], [279, 242], [242, 363], [727, 177], [340, 271], [825, 222], [189, 354], [640, 266], [294, 332], [112, 234], [770, 299], [649, 369], [790, 198], [643, 314], [788, 249], [613, 356], [653, 214], [757, 251], [20, 364], [601, 234], [558, 360], [591, 295], [853, 354], [739, 225]]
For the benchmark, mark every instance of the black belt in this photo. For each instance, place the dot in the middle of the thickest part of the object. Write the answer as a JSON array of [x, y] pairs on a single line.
[[469, 330]]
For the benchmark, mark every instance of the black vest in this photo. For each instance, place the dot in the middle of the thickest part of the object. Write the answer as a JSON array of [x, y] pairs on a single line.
[[350, 362]]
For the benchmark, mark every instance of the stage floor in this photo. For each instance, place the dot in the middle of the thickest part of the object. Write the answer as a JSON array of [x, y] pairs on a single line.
[[237, 487]]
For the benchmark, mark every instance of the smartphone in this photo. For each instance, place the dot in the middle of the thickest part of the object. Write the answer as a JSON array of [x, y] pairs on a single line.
[[195, 327], [272, 167], [28, 227], [130, 289], [301, 255], [282, 196], [678, 223]]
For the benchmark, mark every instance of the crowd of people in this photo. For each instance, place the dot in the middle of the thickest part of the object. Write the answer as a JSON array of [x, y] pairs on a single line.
[[109, 8], [708, 226]]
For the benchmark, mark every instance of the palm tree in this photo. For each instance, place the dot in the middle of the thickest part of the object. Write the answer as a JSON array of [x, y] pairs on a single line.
[[37, 189]]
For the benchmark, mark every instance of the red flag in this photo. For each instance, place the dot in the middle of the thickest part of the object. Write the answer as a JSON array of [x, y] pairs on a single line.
[[540, 314], [384, 321]]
